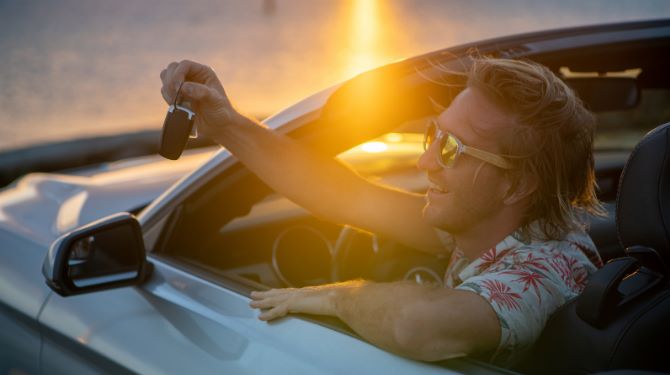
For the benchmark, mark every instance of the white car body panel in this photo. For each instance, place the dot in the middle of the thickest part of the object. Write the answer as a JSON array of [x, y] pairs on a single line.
[[192, 326]]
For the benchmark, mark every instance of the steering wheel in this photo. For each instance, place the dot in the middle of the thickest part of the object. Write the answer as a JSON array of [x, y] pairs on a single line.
[[358, 254], [346, 240]]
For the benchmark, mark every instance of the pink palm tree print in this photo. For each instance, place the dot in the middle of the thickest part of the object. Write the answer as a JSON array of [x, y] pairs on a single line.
[[501, 294], [529, 279], [491, 257]]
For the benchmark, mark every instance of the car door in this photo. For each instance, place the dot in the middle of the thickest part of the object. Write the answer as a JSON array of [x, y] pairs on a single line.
[[22, 294], [179, 323]]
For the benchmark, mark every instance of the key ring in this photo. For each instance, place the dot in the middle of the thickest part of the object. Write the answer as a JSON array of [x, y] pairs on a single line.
[[174, 102], [190, 113]]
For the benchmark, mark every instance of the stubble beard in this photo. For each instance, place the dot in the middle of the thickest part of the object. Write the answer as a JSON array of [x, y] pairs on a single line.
[[460, 215]]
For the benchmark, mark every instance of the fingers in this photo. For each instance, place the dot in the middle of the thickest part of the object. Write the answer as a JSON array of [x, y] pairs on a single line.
[[186, 70], [168, 89], [265, 303], [275, 302], [271, 292], [197, 92], [169, 69], [166, 96], [308, 300], [274, 313]]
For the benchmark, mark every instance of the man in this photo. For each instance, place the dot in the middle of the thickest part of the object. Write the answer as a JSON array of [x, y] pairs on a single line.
[[511, 171]]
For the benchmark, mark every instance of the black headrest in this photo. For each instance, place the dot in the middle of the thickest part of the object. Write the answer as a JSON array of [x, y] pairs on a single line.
[[643, 200]]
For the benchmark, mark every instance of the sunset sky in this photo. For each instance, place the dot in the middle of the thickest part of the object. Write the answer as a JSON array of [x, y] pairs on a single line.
[[74, 68]]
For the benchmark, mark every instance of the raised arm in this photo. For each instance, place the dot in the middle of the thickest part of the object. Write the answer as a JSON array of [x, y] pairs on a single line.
[[320, 184]]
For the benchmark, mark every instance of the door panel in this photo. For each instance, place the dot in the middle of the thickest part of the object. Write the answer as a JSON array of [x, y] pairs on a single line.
[[19, 343], [177, 323], [22, 294]]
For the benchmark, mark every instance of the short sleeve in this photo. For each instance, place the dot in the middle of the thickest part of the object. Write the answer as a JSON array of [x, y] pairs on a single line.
[[524, 289]]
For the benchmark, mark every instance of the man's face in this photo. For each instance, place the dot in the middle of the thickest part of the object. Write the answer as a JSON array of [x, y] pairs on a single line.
[[472, 190]]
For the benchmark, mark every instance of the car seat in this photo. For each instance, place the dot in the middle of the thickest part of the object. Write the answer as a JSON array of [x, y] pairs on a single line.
[[622, 318]]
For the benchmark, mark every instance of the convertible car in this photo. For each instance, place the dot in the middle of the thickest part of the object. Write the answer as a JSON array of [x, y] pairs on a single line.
[[146, 265]]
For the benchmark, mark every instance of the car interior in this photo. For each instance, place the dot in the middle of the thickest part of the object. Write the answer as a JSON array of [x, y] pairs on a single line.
[[620, 319], [236, 231]]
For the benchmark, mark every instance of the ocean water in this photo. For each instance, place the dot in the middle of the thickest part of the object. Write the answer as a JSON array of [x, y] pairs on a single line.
[[73, 68]]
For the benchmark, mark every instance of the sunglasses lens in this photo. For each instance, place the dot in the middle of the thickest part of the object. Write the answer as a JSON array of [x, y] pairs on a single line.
[[429, 136], [448, 147], [449, 150]]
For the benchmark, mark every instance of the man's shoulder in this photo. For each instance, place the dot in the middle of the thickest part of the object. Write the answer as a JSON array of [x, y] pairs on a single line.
[[577, 245], [572, 243], [567, 261]]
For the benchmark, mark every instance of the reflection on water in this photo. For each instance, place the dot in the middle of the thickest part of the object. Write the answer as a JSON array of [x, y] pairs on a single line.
[[78, 67]]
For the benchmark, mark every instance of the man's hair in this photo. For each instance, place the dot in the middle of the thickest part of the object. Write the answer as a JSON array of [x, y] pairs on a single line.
[[551, 141]]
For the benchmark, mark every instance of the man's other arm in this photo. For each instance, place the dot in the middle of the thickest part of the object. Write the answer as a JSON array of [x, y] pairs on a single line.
[[415, 321]]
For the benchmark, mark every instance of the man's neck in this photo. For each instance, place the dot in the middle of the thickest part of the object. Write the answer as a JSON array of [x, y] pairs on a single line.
[[486, 234]]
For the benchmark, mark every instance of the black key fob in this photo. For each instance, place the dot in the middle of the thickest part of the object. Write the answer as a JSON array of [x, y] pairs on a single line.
[[177, 128]]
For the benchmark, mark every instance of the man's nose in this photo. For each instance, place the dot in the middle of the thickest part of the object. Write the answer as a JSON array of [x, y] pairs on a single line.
[[428, 160]]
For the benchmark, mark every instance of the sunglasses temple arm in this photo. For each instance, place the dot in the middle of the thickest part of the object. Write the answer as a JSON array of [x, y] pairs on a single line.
[[488, 157]]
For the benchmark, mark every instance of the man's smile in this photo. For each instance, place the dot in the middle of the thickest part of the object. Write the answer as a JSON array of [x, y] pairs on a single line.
[[437, 189]]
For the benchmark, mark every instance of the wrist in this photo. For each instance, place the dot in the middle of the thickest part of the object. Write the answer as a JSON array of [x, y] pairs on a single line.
[[229, 121], [334, 297], [341, 296]]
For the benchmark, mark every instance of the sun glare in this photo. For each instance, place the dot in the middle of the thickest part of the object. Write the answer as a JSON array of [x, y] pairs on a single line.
[[393, 137], [366, 22], [366, 40], [374, 147]]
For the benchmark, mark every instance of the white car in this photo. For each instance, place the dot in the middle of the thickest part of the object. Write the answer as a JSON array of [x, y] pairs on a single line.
[[168, 291]]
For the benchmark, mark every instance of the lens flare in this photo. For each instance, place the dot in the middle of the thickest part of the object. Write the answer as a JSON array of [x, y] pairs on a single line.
[[374, 147]]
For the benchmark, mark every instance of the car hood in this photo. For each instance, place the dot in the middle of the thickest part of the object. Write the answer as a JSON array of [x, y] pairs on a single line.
[[43, 206]]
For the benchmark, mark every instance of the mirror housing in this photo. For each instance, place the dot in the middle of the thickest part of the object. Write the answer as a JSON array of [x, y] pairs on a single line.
[[602, 94], [105, 254]]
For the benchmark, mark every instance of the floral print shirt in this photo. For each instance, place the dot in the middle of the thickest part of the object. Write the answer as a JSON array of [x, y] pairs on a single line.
[[525, 282]]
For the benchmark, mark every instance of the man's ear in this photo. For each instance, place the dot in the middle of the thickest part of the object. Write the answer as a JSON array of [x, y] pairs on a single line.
[[526, 186]]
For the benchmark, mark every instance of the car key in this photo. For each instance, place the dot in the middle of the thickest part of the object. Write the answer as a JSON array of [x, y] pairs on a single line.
[[177, 129]]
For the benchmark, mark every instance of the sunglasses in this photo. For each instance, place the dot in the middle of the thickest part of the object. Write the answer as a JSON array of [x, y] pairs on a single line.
[[450, 148]]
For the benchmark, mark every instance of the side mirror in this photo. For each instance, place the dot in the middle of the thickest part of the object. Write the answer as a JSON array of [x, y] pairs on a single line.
[[107, 253]]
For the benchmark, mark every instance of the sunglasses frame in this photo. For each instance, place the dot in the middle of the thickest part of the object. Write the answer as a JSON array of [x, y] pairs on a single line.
[[476, 153]]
